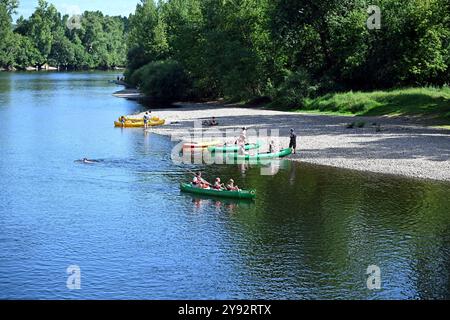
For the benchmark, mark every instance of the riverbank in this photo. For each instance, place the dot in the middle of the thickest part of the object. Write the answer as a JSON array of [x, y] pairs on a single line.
[[424, 104], [130, 94], [388, 145]]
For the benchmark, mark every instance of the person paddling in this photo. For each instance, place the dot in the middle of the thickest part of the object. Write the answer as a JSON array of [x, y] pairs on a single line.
[[199, 182], [218, 185], [231, 186], [293, 141]]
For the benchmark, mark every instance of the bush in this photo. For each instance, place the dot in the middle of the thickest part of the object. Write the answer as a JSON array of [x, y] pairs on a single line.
[[137, 77], [164, 81], [292, 93]]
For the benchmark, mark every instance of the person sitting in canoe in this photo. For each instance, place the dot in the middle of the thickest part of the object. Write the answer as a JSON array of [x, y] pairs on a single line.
[[199, 182], [231, 186], [218, 185], [272, 148]]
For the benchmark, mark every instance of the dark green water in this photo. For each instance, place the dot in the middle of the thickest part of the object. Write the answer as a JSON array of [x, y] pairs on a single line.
[[311, 234]]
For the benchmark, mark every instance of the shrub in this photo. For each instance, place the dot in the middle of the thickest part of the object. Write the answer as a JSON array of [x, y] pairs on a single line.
[[292, 93], [164, 81]]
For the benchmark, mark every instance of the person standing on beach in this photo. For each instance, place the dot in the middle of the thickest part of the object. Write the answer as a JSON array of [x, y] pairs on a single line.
[[242, 137], [241, 141], [146, 119], [293, 141]]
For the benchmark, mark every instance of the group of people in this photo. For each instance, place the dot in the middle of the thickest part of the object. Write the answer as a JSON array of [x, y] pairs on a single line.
[[199, 182], [147, 119], [242, 142], [242, 139], [213, 122]]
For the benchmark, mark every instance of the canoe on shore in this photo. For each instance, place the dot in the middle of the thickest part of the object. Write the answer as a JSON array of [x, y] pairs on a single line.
[[233, 148], [200, 145], [139, 119], [129, 124], [262, 156], [243, 194]]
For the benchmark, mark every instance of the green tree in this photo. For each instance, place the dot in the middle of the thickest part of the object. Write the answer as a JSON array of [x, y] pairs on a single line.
[[42, 23], [6, 37], [24, 51], [100, 43], [147, 36], [164, 81], [10, 6]]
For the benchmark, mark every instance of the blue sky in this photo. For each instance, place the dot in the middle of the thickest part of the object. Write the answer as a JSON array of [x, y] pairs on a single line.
[[109, 7]]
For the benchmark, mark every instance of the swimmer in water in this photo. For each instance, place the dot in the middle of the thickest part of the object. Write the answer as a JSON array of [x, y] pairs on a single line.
[[87, 161]]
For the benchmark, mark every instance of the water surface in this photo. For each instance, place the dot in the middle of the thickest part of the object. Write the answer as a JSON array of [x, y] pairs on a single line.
[[311, 234]]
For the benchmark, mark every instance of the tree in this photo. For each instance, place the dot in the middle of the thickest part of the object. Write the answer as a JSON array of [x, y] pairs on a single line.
[[24, 51], [62, 53], [10, 6], [164, 81], [6, 37], [41, 25], [147, 34], [100, 43]]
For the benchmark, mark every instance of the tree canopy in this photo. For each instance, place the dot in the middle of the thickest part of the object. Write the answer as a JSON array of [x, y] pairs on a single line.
[[291, 49], [48, 37]]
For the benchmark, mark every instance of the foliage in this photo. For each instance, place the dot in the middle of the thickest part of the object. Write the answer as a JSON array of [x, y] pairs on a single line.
[[291, 50], [296, 87], [162, 80], [427, 102], [288, 50], [45, 38]]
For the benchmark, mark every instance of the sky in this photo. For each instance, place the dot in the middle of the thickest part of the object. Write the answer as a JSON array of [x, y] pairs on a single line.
[[109, 7]]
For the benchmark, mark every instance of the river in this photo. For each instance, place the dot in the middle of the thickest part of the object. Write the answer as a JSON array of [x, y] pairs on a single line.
[[311, 233]]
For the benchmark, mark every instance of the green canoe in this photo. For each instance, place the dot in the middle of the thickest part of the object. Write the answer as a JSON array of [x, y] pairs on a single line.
[[262, 156], [243, 194], [233, 148]]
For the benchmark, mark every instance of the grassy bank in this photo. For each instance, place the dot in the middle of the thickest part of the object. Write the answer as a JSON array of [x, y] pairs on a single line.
[[425, 103]]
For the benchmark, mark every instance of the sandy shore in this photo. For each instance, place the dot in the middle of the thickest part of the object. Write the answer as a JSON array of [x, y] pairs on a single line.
[[131, 94], [402, 147]]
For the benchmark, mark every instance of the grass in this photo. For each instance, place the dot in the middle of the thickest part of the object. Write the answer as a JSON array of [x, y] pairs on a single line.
[[427, 103]]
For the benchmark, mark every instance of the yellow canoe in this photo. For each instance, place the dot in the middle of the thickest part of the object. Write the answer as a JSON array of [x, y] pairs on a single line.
[[129, 124], [139, 119]]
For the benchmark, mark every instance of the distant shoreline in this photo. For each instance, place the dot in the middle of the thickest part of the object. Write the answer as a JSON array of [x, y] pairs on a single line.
[[55, 69]]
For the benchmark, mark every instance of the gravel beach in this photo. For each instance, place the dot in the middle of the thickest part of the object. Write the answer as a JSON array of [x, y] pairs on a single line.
[[399, 146]]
